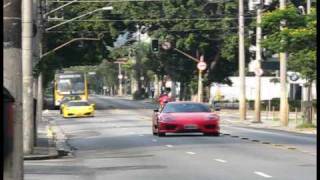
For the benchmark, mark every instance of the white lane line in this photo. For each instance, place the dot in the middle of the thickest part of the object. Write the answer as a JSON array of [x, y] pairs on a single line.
[[262, 174], [221, 160], [154, 140], [191, 153], [169, 146], [141, 135]]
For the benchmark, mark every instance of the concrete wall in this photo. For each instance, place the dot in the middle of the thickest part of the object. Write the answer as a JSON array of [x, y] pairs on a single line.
[[269, 89]]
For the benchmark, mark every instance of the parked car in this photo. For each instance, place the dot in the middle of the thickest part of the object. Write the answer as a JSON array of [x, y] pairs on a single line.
[[180, 117], [77, 109]]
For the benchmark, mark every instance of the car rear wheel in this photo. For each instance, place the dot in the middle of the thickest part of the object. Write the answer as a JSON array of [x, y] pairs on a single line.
[[161, 134]]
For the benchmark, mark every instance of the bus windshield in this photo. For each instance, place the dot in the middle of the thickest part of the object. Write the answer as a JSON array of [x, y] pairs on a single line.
[[71, 84]]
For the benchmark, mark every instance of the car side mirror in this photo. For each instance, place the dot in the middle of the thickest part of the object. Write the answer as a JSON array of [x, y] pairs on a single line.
[[93, 105]]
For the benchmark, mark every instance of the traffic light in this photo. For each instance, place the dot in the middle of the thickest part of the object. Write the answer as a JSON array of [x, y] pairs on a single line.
[[155, 45]]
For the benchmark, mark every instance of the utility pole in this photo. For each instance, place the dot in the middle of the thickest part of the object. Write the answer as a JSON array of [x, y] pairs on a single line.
[[40, 53], [257, 103], [138, 72], [283, 78], [27, 97], [40, 98], [242, 95], [120, 80], [12, 80]]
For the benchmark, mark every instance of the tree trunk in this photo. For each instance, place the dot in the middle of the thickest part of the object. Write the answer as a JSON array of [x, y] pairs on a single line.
[[182, 91], [309, 104]]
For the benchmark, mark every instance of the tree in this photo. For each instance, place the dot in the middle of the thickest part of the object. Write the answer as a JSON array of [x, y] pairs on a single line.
[[298, 38]]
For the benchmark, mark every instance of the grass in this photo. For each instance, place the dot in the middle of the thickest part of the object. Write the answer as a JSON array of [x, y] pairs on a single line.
[[306, 125]]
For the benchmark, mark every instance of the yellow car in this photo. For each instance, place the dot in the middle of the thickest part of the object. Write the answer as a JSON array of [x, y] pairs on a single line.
[[77, 109]]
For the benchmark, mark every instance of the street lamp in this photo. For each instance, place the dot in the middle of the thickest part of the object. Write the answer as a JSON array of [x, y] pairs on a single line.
[[107, 8]]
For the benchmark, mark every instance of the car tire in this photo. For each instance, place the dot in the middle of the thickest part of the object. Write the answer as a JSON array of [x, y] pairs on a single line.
[[154, 133], [161, 134], [211, 134]]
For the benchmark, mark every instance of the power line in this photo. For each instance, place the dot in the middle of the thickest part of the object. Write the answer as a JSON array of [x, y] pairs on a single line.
[[92, 1], [153, 20], [184, 30]]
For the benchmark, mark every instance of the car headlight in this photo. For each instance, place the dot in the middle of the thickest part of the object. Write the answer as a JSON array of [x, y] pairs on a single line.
[[212, 117], [166, 118]]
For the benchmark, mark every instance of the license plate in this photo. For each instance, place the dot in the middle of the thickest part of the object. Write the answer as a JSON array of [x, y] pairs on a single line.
[[190, 126]]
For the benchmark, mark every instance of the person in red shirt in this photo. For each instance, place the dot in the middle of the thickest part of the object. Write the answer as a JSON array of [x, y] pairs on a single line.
[[163, 99]]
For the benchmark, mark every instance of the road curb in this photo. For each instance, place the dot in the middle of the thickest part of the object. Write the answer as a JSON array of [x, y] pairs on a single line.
[[52, 155], [60, 140], [241, 124]]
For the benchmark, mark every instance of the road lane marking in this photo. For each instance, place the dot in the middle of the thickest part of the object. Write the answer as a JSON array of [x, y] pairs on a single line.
[[191, 153], [262, 174], [169, 146], [221, 160]]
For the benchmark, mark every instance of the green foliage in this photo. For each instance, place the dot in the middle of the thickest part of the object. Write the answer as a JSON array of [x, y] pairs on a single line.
[[298, 38], [193, 26]]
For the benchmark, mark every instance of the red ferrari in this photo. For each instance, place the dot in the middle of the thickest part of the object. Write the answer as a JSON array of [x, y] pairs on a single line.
[[180, 117]]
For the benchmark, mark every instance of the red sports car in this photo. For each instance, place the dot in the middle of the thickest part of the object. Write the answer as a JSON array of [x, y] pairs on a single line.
[[177, 117]]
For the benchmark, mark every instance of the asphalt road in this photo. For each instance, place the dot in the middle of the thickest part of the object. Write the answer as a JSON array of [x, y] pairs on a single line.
[[118, 144]]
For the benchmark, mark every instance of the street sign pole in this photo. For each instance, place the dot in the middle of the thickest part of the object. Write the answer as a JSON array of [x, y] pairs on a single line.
[[200, 87], [201, 66]]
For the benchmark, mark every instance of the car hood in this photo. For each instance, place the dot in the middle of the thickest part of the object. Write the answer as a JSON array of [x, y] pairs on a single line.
[[201, 116]]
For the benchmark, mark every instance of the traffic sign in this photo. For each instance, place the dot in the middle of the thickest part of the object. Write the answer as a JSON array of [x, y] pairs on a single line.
[[166, 45], [258, 72], [201, 65], [120, 76], [294, 77]]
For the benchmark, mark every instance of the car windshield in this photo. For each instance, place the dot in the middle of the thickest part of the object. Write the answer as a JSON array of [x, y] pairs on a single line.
[[186, 107], [72, 103]]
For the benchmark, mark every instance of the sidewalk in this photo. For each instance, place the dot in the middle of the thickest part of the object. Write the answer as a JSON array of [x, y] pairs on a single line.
[[45, 146], [268, 121]]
